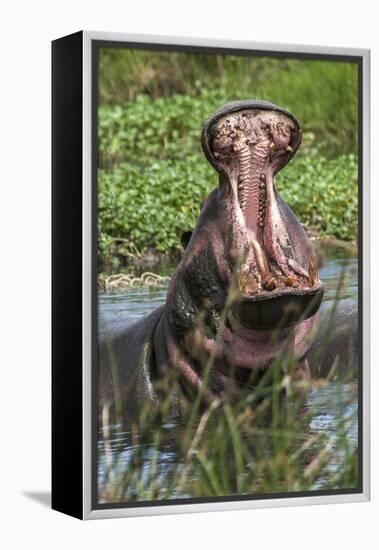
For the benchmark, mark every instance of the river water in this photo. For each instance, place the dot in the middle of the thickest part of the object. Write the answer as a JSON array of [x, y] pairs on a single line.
[[323, 404]]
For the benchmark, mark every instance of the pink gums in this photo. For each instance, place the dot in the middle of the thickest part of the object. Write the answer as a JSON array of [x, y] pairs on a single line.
[[262, 347]]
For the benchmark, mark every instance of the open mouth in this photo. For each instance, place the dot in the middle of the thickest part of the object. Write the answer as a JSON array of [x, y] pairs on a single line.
[[248, 143]]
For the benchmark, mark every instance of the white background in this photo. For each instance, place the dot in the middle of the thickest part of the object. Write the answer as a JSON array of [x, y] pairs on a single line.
[[26, 31]]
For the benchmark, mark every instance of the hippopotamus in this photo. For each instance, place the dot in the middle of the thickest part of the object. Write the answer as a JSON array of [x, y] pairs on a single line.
[[247, 286]]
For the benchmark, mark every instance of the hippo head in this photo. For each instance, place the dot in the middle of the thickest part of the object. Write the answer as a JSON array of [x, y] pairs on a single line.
[[247, 245]]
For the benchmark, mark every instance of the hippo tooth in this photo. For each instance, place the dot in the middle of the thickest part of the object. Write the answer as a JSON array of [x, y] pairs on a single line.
[[247, 283], [312, 272], [290, 281], [269, 283], [260, 259], [272, 145], [289, 148]]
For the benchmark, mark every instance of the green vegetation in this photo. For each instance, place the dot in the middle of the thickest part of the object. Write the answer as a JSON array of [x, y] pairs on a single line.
[[322, 94], [152, 173], [261, 445], [323, 193], [154, 206], [271, 436]]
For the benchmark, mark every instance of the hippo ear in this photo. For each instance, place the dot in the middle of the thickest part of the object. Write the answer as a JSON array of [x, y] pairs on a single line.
[[185, 238]]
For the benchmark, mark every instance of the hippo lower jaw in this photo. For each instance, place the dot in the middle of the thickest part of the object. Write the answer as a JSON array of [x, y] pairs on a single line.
[[282, 307]]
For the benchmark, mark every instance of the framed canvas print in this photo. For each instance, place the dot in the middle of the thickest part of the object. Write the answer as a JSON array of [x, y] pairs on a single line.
[[210, 275]]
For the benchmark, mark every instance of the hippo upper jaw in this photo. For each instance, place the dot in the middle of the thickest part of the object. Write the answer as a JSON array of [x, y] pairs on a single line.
[[248, 143]]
